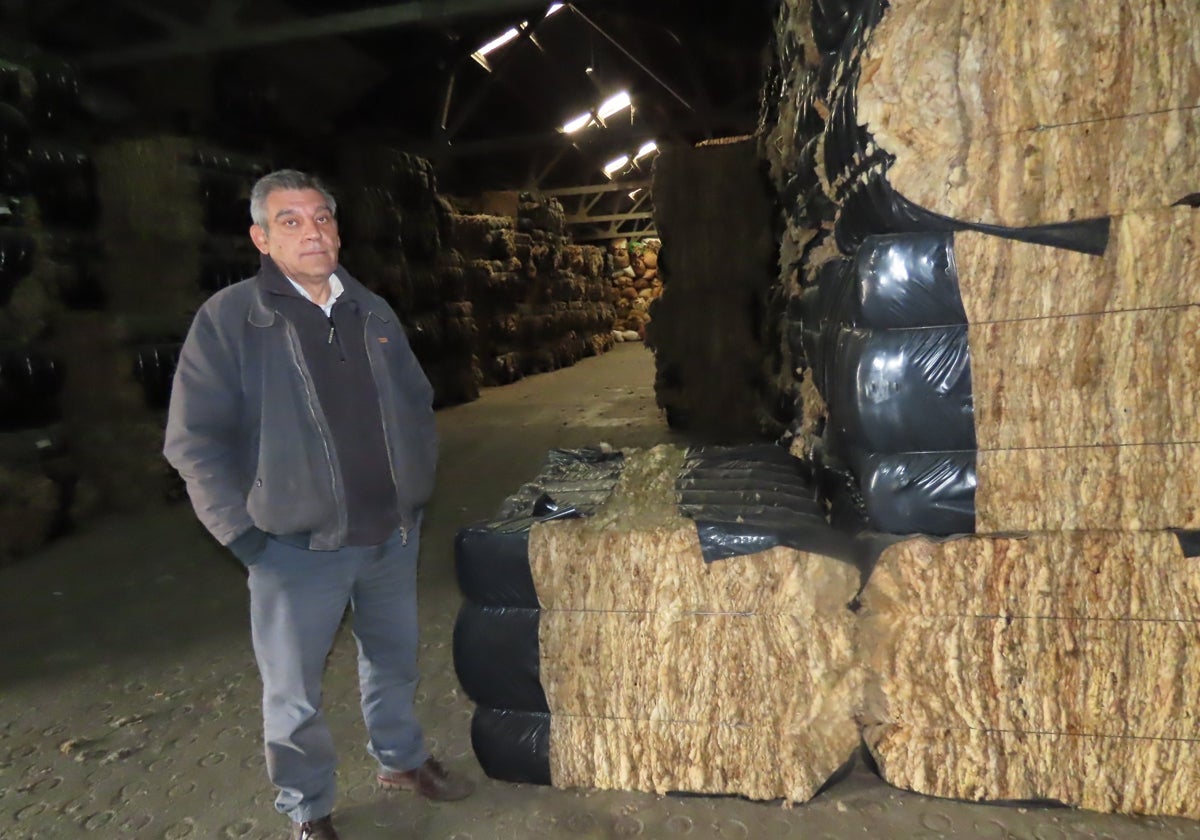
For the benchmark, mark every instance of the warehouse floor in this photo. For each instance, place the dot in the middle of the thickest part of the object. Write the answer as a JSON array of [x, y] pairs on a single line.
[[129, 698]]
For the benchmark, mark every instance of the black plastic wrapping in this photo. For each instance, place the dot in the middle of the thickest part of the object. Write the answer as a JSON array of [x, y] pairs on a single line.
[[848, 145], [512, 746], [871, 206], [582, 478], [906, 280], [747, 499], [897, 391], [16, 261], [491, 562], [496, 656], [64, 180], [14, 150], [30, 382], [491, 559], [1189, 542], [831, 21], [154, 369], [918, 492]]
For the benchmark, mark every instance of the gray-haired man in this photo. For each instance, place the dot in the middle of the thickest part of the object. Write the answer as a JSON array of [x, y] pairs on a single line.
[[303, 427]]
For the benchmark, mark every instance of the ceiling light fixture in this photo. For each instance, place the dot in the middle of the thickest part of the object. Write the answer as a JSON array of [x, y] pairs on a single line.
[[576, 124], [615, 164], [613, 104], [646, 149], [495, 44], [607, 108], [554, 7]]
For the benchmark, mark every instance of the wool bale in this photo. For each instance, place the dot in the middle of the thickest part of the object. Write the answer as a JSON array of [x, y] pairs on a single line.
[[663, 672], [1148, 256], [1103, 379], [989, 124], [1134, 487], [1060, 666]]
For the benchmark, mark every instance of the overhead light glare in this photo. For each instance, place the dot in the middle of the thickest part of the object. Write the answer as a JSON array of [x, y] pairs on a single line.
[[554, 7], [615, 164], [576, 124], [613, 104], [635, 193], [646, 149], [498, 41]]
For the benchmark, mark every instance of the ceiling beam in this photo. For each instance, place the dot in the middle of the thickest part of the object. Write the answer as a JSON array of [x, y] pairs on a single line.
[[582, 139], [610, 186], [227, 38], [600, 235], [608, 217]]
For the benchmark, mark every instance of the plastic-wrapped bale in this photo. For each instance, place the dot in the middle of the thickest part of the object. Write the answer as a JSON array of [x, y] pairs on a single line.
[[988, 123], [702, 654], [1054, 666], [1060, 399]]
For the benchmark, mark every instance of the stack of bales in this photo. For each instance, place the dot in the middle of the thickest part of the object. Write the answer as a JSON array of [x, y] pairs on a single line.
[[708, 329], [636, 285], [399, 241], [568, 315], [174, 218], [497, 262], [47, 252], [539, 299], [988, 251], [661, 620]]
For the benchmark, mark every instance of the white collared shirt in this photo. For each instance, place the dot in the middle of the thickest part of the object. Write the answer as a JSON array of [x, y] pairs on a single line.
[[335, 291]]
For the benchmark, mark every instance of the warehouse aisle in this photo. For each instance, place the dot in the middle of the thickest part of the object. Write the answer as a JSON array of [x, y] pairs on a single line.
[[129, 699]]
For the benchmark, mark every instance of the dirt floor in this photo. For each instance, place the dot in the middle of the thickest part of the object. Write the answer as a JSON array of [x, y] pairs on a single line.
[[129, 701]]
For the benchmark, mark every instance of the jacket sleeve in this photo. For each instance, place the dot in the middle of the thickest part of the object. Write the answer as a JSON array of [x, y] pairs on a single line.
[[203, 434]]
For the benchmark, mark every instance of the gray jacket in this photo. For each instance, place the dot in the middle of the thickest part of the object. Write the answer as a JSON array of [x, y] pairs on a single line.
[[246, 433]]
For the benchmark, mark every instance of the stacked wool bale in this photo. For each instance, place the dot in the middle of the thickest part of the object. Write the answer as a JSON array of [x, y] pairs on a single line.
[[998, 342], [635, 648], [707, 329], [1057, 666], [636, 285], [568, 316], [47, 205], [174, 217], [399, 241], [540, 299], [499, 272]]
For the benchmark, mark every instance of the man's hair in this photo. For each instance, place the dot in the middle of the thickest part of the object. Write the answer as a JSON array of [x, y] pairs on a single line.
[[284, 179]]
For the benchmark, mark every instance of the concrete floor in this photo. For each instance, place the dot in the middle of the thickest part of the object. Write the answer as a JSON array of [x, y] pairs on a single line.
[[129, 700]]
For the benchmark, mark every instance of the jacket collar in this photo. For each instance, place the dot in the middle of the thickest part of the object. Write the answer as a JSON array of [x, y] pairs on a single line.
[[271, 281]]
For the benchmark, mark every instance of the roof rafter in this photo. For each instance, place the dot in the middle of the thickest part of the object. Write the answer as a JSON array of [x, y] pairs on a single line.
[[224, 37]]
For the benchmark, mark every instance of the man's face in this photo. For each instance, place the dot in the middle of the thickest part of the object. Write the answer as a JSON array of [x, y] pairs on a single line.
[[301, 235]]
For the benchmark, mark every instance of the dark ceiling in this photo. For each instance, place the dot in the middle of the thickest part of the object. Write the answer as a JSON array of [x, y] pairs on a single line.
[[305, 74]]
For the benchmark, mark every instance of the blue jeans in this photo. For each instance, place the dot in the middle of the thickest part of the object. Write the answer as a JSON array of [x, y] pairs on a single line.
[[297, 600]]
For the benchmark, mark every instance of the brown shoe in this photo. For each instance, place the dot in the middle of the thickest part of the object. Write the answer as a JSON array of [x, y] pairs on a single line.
[[321, 829], [430, 780]]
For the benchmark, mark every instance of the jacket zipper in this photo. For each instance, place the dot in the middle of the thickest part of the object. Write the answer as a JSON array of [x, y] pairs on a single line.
[[311, 402]]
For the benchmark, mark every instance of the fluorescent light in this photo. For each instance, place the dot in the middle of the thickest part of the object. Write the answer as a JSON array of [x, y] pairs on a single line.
[[579, 122], [498, 41], [554, 7], [613, 104], [646, 149], [635, 193], [615, 164]]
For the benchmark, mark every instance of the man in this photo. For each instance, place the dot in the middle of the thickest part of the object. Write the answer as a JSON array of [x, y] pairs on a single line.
[[303, 427]]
